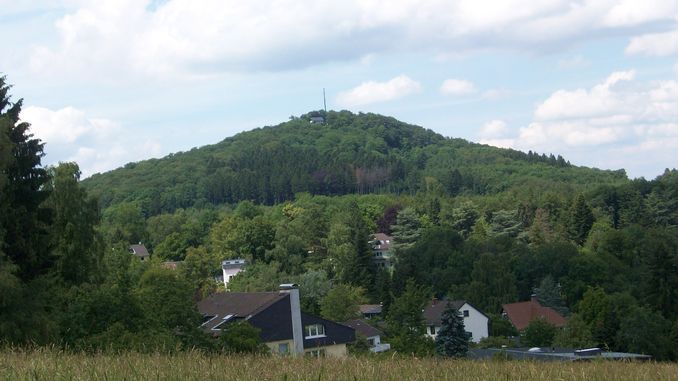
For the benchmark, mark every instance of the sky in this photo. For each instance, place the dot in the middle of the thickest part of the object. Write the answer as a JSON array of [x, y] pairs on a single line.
[[109, 82]]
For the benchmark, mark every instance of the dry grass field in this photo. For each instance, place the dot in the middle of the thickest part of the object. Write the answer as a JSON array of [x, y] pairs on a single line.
[[56, 365]]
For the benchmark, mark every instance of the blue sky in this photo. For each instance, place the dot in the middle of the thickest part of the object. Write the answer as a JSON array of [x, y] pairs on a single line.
[[109, 82]]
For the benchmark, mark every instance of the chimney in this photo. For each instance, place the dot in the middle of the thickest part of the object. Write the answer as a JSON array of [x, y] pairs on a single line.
[[534, 298], [434, 301], [295, 308]]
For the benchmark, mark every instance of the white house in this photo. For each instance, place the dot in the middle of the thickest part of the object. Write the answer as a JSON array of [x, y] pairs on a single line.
[[475, 321], [230, 268]]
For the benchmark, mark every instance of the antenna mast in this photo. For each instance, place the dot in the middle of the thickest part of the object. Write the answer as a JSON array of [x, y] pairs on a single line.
[[324, 101]]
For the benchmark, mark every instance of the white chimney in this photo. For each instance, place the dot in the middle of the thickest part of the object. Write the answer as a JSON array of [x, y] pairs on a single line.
[[295, 308]]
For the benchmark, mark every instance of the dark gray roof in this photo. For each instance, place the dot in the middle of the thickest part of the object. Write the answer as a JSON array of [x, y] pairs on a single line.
[[433, 311], [139, 250], [372, 309], [239, 304], [363, 328]]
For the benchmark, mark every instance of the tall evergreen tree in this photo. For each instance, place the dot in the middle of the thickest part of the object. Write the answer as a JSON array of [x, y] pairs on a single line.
[[452, 339], [581, 220], [23, 221], [407, 229]]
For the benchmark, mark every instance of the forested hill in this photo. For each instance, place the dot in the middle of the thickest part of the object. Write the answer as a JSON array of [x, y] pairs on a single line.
[[349, 153]]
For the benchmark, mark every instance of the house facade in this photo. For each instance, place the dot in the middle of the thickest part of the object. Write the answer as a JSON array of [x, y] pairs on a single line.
[[382, 254], [476, 322], [283, 327], [230, 268], [522, 313]]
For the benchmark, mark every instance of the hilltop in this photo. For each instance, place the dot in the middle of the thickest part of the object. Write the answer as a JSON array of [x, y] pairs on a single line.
[[349, 153]]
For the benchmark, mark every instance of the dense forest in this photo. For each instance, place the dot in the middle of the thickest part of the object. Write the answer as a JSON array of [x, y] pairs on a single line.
[[299, 202], [348, 154]]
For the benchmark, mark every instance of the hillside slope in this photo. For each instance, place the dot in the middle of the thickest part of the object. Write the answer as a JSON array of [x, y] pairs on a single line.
[[350, 153]]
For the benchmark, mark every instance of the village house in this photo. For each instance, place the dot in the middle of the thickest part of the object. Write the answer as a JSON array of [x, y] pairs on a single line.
[[382, 256], [230, 268], [522, 313], [370, 310], [475, 321], [372, 334], [139, 251], [284, 328]]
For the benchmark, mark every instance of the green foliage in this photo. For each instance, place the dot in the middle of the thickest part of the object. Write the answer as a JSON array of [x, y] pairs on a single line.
[[341, 303], [406, 323], [501, 326], [549, 295], [575, 334], [124, 223], [452, 339], [645, 331], [313, 286], [23, 220], [77, 245], [407, 229], [539, 333], [241, 337], [492, 282], [581, 220]]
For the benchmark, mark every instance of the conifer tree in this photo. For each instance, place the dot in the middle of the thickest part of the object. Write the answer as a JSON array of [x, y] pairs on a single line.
[[23, 221], [452, 339], [581, 220]]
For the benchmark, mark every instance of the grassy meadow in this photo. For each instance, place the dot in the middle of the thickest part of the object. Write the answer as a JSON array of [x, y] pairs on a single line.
[[56, 365]]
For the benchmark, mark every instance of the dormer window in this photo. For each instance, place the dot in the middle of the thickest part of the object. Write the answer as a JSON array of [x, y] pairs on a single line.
[[314, 330]]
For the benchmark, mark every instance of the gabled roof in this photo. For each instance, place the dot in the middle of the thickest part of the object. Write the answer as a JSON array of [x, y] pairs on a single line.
[[433, 311], [383, 242], [139, 250], [522, 313], [363, 328], [372, 309], [241, 305]]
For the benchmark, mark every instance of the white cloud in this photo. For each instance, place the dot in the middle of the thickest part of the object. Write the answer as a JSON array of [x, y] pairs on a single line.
[[494, 129], [457, 87], [655, 44], [618, 122], [374, 92], [65, 125], [96, 144], [602, 99], [178, 37]]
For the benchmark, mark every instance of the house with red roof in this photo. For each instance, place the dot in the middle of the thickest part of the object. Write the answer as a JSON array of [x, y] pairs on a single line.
[[522, 313]]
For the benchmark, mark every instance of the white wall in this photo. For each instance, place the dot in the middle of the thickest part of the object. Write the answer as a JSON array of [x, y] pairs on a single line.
[[476, 323], [228, 273]]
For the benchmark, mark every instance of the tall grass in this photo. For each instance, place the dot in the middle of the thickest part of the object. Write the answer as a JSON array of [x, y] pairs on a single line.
[[48, 364]]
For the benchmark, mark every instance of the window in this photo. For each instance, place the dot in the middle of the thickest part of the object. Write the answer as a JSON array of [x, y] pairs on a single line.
[[314, 330], [207, 318], [432, 330], [226, 319], [283, 348], [370, 342], [465, 313], [316, 353]]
